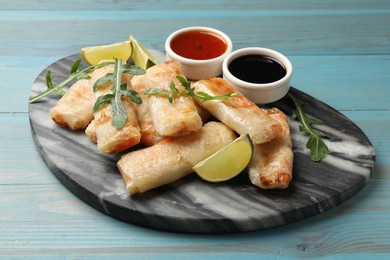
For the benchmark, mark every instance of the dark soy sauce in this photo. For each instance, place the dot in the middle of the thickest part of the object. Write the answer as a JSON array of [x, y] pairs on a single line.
[[255, 68]]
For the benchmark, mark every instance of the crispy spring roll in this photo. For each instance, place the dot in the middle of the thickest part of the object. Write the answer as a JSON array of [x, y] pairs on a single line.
[[271, 165], [90, 131], [110, 139], [172, 158], [149, 135], [239, 113], [74, 109], [170, 119], [203, 113]]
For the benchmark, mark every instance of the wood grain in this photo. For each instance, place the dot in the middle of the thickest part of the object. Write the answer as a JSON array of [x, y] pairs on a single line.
[[218, 5], [55, 210], [307, 32]]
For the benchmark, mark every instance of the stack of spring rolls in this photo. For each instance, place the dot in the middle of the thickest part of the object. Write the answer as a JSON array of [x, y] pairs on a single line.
[[177, 135]]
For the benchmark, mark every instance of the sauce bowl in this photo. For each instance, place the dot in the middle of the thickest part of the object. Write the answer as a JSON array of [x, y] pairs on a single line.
[[260, 93], [198, 67]]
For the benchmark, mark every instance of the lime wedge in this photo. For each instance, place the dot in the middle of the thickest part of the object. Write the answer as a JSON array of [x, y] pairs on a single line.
[[95, 54], [141, 56], [227, 162]]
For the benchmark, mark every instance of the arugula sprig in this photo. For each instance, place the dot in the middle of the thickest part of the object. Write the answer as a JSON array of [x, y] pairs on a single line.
[[318, 149], [189, 91], [118, 89], [75, 74]]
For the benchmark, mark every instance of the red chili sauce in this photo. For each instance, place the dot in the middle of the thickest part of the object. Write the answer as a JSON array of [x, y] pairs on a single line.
[[198, 45]]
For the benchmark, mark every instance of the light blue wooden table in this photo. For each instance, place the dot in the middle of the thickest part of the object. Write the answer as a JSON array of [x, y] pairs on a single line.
[[341, 54]]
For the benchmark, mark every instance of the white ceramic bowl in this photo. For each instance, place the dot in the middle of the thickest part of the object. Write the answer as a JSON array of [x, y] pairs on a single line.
[[265, 92], [199, 69]]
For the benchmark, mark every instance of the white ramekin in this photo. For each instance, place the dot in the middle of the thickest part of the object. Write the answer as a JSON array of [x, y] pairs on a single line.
[[199, 69], [259, 93]]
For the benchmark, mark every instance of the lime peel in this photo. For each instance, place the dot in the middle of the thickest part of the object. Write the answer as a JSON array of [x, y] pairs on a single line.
[[141, 56], [125, 50], [96, 54], [227, 162]]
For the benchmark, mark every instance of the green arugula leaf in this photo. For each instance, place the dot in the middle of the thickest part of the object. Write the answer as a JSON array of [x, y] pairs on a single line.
[[156, 91], [74, 75], [49, 83], [119, 114], [316, 145], [102, 100], [189, 91], [103, 80], [132, 69], [185, 83], [118, 89], [75, 66]]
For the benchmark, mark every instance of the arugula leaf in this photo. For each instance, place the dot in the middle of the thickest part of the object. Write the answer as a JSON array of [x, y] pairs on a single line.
[[132, 69], [102, 100], [49, 83], [75, 66], [103, 80], [74, 75], [118, 89], [189, 91], [318, 149], [119, 115]]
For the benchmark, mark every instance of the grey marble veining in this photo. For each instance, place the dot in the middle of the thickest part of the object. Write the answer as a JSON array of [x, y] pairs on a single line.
[[192, 205]]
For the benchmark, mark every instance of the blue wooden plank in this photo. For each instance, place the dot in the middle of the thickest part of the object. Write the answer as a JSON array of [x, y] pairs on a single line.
[[308, 33], [41, 15], [190, 5], [19, 158], [17, 76], [48, 220], [376, 125], [345, 82]]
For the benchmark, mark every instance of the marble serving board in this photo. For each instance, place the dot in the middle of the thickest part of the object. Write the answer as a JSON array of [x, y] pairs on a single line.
[[193, 205]]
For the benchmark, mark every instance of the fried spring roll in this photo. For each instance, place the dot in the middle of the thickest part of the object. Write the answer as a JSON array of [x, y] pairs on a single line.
[[172, 158], [203, 113], [108, 138], [170, 119], [239, 113], [149, 135], [74, 109], [90, 131], [271, 165]]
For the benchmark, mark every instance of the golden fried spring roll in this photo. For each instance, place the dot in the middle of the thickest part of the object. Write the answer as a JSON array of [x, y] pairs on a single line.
[[271, 165], [74, 109], [110, 139], [172, 158], [149, 135], [203, 113], [170, 119], [239, 113], [90, 131]]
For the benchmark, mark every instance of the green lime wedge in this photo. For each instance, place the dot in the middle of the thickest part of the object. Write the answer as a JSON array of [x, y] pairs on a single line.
[[95, 54], [227, 162], [141, 56]]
